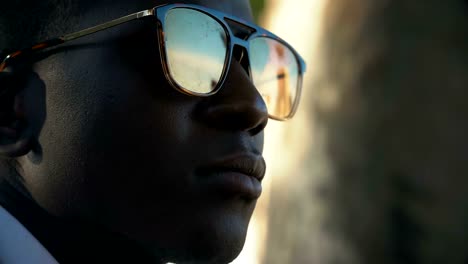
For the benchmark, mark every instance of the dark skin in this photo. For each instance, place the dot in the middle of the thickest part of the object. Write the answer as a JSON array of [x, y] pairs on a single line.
[[106, 140]]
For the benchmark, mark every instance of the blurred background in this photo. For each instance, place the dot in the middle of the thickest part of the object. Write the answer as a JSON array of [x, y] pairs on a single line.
[[374, 166]]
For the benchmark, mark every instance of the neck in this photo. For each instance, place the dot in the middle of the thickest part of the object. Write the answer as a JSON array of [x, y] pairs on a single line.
[[70, 241]]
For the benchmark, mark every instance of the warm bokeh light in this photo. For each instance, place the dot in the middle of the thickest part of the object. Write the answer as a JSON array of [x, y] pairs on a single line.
[[286, 143], [372, 168]]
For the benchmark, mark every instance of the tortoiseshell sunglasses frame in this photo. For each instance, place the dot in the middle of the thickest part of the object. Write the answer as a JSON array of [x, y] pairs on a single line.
[[225, 20]]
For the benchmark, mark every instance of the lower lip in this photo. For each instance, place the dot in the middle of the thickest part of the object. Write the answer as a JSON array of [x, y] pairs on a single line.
[[232, 184]]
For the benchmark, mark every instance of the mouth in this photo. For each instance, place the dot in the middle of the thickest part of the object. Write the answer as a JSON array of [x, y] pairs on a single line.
[[238, 175]]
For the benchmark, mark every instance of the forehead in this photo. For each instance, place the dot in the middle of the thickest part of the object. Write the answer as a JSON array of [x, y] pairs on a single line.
[[240, 8]]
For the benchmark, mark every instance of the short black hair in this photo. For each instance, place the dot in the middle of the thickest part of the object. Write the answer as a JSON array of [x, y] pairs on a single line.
[[26, 22]]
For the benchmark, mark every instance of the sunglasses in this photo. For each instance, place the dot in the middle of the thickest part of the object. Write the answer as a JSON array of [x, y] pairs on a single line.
[[197, 45]]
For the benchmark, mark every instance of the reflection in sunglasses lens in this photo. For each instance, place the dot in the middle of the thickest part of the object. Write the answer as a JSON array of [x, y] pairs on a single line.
[[275, 73], [196, 47]]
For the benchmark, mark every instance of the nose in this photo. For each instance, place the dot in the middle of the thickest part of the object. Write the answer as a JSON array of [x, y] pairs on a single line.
[[238, 105]]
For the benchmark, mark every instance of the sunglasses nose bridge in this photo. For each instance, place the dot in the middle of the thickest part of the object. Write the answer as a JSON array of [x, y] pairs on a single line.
[[240, 52], [238, 42]]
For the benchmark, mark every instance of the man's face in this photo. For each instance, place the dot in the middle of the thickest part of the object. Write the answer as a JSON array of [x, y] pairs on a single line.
[[119, 147]]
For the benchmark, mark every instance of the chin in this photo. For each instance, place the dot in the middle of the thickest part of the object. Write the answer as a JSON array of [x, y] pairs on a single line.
[[213, 258], [208, 257], [212, 247], [219, 241], [208, 231]]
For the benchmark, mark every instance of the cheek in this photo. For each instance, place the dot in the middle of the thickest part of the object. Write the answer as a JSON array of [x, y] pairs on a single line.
[[106, 133], [135, 123], [135, 155]]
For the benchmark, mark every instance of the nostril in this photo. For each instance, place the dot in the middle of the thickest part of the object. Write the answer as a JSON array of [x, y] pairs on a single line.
[[240, 117], [259, 128]]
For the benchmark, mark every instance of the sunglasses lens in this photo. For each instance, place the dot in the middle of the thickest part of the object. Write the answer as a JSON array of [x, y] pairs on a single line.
[[275, 73], [196, 49]]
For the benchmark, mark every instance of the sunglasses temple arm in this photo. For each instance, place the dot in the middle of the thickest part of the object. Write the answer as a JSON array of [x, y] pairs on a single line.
[[107, 25], [40, 46], [75, 35]]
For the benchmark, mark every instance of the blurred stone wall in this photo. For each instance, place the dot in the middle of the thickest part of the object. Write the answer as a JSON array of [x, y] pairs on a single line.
[[391, 106], [298, 211], [387, 169]]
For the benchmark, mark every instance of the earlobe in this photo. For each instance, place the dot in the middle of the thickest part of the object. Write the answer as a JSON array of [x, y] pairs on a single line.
[[11, 147], [15, 138]]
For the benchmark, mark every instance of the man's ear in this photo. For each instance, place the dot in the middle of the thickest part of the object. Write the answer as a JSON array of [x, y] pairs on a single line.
[[15, 136]]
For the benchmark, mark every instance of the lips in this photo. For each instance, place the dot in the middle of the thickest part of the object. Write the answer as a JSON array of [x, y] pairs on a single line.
[[238, 175]]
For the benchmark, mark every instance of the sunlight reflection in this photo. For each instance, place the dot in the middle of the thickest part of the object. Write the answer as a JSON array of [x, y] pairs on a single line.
[[286, 144]]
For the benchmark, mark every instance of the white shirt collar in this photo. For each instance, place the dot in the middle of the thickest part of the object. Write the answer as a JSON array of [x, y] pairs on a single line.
[[18, 245]]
